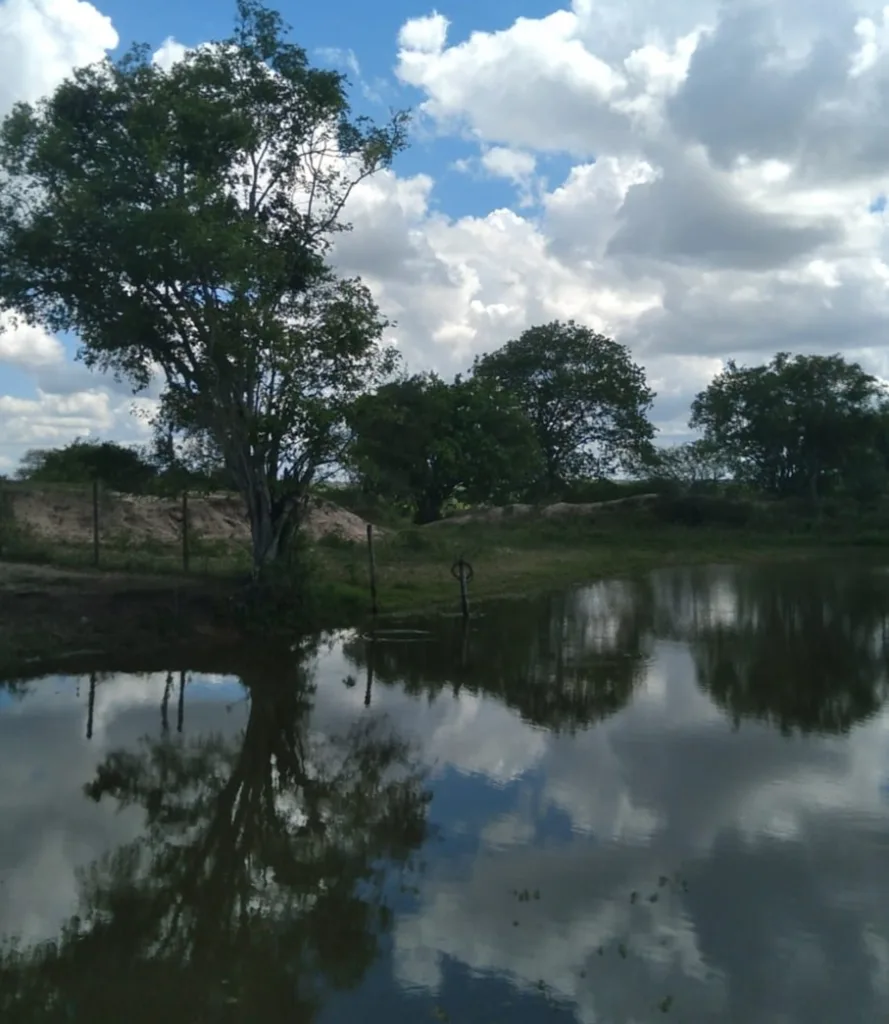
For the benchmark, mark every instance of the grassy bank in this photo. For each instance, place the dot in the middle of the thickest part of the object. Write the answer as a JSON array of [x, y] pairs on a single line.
[[53, 603], [413, 567]]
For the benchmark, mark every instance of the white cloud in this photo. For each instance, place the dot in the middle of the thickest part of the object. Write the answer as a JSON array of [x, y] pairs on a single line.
[[424, 35], [28, 348], [169, 53], [41, 41], [725, 161]]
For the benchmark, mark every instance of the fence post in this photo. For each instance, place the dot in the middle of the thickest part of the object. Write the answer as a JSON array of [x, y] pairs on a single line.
[[185, 552], [373, 569], [96, 521]]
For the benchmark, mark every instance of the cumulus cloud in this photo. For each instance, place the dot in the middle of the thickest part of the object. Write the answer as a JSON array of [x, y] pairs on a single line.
[[724, 199], [723, 196], [28, 348], [41, 41]]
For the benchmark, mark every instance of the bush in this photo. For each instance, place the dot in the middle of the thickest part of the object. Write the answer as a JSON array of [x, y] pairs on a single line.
[[701, 510]]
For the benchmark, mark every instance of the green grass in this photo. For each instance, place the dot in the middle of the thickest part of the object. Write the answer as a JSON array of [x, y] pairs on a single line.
[[510, 557], [413, 567]]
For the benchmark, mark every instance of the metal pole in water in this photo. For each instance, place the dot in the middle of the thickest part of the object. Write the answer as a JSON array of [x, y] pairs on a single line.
[[370, 673], [461, 570]]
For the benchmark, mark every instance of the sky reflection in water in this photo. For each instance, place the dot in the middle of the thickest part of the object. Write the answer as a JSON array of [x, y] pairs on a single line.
[[649, 798]]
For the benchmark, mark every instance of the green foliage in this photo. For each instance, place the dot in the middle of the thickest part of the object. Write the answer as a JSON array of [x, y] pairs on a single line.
[[421, 440], [702, 510], [587, 400], [798, 425], [363, 500], [118, 467], [183, 219], [695, 464]]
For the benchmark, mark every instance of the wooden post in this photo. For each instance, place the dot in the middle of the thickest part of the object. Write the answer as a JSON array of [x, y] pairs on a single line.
[[96, 522], [185, 531], [373, 569]]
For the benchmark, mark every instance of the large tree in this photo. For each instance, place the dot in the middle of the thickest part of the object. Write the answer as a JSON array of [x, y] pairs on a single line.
[[181, 219], [587, 399], [420, 440], [794, 426]]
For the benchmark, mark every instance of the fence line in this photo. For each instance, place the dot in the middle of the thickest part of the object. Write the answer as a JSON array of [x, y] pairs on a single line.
[[91, 494]]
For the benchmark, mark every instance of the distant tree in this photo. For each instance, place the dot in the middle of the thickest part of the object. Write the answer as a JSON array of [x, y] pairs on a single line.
[[420, 440], [586, 399], [117, 466], [183, 219], [794, 426], [691, 464]]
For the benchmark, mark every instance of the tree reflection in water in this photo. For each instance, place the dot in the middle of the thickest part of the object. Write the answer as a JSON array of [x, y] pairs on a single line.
[[804, 650], [258, 880], [563, 662]]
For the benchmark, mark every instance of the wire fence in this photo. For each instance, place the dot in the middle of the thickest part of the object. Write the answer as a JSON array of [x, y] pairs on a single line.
[[91, 525]]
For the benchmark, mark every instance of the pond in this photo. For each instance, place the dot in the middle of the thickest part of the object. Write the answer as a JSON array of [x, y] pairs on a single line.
[[657, 799]]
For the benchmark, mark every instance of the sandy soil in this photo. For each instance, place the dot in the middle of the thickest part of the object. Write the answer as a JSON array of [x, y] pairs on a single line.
[[66, 516]]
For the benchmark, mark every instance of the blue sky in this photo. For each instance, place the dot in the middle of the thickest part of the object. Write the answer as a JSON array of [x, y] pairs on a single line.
[[696, 181]]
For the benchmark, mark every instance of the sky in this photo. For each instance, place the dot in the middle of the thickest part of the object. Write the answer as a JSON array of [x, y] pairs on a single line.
[[700, 181]]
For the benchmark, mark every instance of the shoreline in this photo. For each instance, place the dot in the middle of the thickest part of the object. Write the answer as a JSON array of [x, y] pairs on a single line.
[[53, 619]]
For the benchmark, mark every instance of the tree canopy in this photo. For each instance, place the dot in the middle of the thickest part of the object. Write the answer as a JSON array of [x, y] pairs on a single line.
[[182, 220], [586, 399], [420, 440], [793, 426], [119, 467]]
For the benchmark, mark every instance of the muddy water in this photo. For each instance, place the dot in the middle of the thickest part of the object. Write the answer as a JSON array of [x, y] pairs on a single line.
[[636, 801]]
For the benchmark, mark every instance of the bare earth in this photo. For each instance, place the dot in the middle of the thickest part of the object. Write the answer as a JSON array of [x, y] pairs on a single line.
[[66, 516]]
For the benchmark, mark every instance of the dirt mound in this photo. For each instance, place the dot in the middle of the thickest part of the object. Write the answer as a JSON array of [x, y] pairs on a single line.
[[66, 516], [559, 510]]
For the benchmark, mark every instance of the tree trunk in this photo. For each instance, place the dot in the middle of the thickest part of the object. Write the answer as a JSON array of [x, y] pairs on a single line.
[[428, 510]]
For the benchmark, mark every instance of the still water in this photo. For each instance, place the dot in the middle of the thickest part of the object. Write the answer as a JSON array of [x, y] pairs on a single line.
[[665, 799]]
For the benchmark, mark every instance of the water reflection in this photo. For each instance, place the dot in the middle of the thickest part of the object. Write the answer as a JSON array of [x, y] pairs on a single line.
[[803, 649], [255, 881], [609, 848], [563, 663]]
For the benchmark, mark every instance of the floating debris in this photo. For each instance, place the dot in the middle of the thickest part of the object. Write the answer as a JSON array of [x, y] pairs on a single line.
[[665, 1004]]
